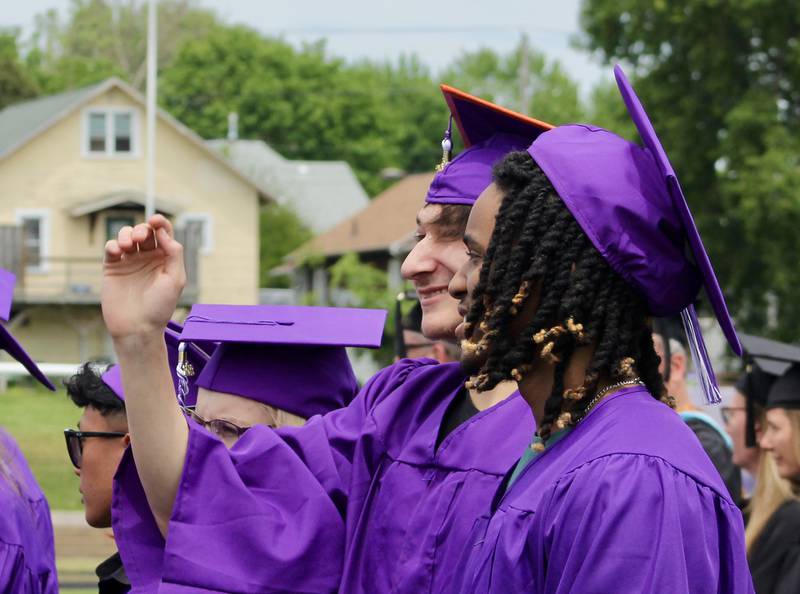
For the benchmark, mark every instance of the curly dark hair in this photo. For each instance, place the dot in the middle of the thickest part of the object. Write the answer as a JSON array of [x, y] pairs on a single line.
[[86, 388], [452, 220], [537, 247]]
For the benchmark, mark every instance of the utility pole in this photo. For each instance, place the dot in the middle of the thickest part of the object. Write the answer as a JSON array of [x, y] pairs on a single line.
[[152, 53], [524, 75]]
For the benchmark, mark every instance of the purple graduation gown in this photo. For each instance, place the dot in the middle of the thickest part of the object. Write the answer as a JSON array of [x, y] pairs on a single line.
[[628, 502], [408, 507], [27, 554]]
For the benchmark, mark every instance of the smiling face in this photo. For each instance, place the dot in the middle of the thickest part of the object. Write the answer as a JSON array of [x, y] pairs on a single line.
[[780, 437], [431, 264], [101, 457], [477, 235]]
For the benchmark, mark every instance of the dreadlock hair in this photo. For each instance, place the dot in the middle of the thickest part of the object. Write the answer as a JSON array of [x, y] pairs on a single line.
[[538, 245]]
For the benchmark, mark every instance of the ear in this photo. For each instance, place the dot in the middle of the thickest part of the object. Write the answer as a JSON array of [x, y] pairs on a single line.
[[677, 365], [127, 440]]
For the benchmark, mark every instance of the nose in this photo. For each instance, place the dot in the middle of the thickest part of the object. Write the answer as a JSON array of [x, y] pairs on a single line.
[[458, 284], [764, 442], [419, 261]]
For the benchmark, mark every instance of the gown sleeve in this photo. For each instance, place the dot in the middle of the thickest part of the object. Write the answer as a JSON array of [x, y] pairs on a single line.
[[628, 523], [264, 516]]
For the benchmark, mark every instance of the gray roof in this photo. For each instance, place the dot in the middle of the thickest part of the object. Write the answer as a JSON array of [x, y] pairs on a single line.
[[21, 121], [322, 193]]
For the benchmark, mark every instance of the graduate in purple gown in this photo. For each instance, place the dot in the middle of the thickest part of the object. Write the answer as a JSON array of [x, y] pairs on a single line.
[[576, 245], [408, 464], [27, 553]]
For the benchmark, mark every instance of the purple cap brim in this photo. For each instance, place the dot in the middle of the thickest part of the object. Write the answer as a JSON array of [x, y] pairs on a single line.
[[7, 282], [197, 357], [653, 144], [9, 344], [285, 324]]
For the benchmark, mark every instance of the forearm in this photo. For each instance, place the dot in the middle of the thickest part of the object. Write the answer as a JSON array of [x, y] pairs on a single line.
[[157, 426]]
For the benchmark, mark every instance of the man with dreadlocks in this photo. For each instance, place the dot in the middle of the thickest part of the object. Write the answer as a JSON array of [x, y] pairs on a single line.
[[405, 465], [575, 246]]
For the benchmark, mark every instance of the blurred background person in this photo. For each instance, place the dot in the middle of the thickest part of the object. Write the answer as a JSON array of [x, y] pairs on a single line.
[[669, 342], [774, 539]]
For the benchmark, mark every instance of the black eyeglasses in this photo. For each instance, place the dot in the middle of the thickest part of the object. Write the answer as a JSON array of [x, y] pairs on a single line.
[[75, 442], [725, 412], [220, 427]]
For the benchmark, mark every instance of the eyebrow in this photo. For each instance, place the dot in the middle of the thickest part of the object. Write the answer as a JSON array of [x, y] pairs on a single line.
[[472, 243]]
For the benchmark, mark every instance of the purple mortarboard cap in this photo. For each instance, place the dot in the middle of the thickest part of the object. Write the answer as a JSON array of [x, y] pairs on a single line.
[[194, 361], [628, 201], [7, 341], [289, 357], [489, 133], [7, 282]]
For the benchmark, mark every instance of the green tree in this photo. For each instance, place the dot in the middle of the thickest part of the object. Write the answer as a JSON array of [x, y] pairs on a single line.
[[15, 82], [370, 287], [304, 103], [102, 38], [523, 80], [281, 232], [721, 80]]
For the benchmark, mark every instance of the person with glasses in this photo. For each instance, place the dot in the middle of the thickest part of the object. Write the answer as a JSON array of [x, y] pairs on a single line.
[[99, 443], [27, 551]]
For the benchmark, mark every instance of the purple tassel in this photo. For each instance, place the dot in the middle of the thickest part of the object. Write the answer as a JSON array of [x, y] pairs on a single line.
[[697, 345]]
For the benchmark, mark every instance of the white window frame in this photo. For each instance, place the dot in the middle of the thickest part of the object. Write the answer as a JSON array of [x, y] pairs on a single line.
[[110, 153], [43, 214], [207, 242]]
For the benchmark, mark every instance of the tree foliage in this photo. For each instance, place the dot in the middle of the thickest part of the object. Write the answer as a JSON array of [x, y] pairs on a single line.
[[721, 80], [16, 84], [102, 38], [281, 232]]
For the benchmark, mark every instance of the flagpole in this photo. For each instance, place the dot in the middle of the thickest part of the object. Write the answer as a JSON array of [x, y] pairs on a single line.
[[152, 53]]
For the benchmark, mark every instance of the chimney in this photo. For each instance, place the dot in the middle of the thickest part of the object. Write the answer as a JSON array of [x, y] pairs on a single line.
[[233, 126]]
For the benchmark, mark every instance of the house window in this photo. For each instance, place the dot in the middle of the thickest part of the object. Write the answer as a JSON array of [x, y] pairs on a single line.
[[35, 229], [203, 223], [122, 132], [110, 132], [115, 223], [97, 133]]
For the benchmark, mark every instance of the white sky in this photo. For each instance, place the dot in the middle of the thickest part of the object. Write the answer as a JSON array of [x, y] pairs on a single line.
[[384, 29]]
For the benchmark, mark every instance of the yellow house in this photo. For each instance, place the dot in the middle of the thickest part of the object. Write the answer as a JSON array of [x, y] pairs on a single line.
[[72, 172]]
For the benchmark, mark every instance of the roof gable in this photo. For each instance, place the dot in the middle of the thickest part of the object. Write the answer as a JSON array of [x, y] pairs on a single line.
[[22, 122]]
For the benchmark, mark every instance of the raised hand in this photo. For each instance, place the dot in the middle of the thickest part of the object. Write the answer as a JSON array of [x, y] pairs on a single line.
[[143, 276]]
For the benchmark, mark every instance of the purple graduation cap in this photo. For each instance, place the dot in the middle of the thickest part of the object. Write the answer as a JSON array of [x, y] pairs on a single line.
[[628, 201], [489, 133], [7, 341], [188, 358], [289, 357], [7, 282]]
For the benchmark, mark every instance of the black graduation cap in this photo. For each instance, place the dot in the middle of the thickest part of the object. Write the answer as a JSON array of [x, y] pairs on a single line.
[[785, 392], [767, 361]]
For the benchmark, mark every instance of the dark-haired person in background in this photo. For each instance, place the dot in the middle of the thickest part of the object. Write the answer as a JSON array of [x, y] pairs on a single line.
[[95, 451], [572, 250]]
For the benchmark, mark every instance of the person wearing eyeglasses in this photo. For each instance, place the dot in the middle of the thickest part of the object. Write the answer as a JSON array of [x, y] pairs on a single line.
[[95, 450], [99, 443]]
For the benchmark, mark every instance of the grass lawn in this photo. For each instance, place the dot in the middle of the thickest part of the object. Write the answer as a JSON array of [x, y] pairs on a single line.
[[37, 419]]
